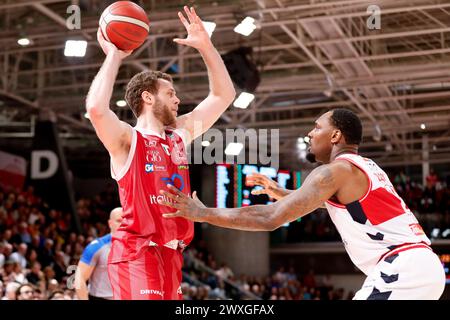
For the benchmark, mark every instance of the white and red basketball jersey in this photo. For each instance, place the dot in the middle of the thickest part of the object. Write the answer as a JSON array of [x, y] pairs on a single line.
[[376, 223], [153, 163]]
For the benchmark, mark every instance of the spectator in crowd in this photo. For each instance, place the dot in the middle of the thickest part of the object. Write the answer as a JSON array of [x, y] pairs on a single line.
[[401, 179], [46, 254], [57, 295], [35, 276], [224, 272], [23, 236], [19, 256], [432, 179], [10, 291], [59, 266], [25, 292], [2, 256], [7, 251]]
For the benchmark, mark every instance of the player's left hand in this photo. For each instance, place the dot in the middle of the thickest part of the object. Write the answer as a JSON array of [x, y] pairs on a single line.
[[187, 207], [197, 36]]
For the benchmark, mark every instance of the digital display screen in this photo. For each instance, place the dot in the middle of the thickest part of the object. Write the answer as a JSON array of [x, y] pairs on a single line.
[[445, 259], [232, 191]]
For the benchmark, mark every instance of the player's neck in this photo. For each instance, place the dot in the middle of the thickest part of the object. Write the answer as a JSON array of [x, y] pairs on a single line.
[[339, 150], [149, 122]]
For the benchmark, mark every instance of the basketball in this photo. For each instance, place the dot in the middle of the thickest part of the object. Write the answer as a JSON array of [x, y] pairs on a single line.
[[125, 24]]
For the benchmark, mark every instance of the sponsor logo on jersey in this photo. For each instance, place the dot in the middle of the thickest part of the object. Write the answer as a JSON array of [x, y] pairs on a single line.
[[151, 291], [155, 199], [153, 156], [183, 167], [166, 148], [150, 144], [150, 167], [175, 180]]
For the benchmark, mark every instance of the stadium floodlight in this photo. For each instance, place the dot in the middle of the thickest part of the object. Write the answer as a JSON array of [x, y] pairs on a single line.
[[302, 143], [445, 233], [24, 42], [75, 48], [423, 126], [246, 27], [234, 148], [243, 100], [121, 103], [302, 146], [435, 232]]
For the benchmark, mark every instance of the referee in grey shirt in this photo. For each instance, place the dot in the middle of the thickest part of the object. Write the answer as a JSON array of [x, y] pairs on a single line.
[[93, 265]]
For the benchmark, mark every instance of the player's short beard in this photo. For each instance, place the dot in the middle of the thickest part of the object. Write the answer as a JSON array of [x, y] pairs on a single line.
[[162, 113], [311, 157]]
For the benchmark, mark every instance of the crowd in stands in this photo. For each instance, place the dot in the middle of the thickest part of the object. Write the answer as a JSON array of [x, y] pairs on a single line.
[[429, 202], [39, 250], [222, 282], [39, 247]]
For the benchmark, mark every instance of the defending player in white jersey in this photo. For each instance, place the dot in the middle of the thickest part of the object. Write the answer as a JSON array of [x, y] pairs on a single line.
[[381, 235]]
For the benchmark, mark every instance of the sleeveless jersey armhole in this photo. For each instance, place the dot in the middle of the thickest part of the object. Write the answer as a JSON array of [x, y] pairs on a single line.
[[130, 157], [334, 204]]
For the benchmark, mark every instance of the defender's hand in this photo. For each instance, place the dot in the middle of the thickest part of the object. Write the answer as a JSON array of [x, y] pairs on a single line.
[[189, 208], [269, 186]]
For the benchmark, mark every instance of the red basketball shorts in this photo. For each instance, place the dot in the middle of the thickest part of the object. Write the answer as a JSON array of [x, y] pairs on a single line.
[[155, 275]]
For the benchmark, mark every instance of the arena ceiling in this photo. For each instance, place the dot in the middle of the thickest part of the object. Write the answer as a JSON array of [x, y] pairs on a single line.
[[312, 55]]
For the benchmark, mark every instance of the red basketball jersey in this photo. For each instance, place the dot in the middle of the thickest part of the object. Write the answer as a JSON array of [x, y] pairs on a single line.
[[153, 163]]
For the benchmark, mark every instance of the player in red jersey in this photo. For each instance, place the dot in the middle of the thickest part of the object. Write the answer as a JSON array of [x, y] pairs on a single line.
[[145, 259]]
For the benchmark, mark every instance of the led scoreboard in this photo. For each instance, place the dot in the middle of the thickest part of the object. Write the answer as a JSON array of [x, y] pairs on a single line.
[[445, 260], [232, 192]]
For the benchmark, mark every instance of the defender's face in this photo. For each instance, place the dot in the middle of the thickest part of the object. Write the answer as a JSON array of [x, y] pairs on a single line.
[[320, 139]]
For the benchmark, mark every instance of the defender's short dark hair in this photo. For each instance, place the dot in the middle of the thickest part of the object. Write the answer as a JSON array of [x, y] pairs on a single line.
[[349, 124]]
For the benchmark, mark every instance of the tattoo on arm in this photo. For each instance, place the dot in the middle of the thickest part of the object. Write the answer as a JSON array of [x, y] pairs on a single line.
[[251, 218], [318, 187]]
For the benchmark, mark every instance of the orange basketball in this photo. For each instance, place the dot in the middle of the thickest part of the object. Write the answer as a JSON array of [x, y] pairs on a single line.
[[125, 24]]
